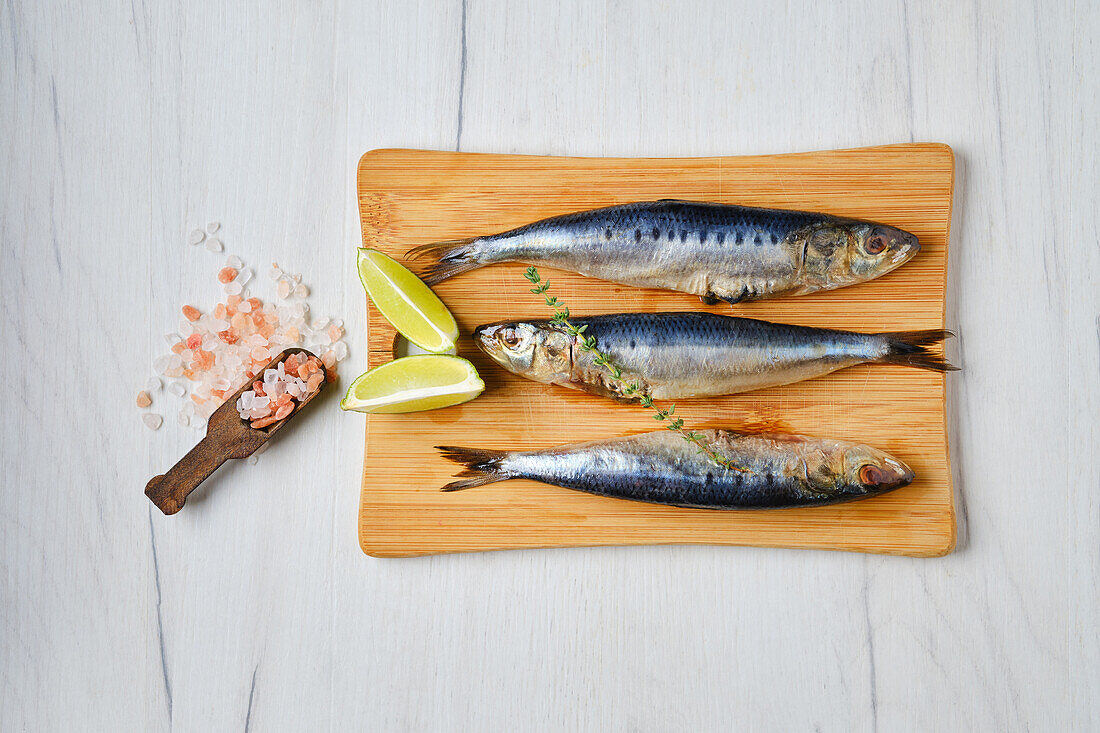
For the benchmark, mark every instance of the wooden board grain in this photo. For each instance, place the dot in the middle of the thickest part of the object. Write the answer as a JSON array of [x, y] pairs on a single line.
[[409, 197]]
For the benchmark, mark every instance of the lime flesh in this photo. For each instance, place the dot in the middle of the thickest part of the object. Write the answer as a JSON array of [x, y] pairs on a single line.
[[406, 302], [414, 383]]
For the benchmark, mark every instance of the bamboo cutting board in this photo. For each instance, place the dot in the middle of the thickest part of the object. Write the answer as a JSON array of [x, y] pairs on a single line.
[[410, 197]]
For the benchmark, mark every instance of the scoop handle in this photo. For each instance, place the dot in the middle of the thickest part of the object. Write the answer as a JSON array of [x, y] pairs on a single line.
[[169, 490]]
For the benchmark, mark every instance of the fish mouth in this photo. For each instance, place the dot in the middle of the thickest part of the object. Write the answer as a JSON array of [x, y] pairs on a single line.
[[899, 475], [485, 338], [906, 247]]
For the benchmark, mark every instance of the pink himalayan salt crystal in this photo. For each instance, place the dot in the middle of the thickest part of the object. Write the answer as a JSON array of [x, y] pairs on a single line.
[[204, 360], [328, 359], [191, 313], [334, 333], [227, 275], [143, 399], [262, 410]]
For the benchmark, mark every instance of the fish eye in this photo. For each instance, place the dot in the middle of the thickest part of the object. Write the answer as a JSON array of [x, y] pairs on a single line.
[[870, 475], [510, 337], [875, 244]]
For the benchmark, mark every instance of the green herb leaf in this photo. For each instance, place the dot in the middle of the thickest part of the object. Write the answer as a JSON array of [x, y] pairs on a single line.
[[588, 343]]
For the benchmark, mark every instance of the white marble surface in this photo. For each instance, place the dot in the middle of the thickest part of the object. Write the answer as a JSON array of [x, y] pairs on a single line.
[[125, 124]]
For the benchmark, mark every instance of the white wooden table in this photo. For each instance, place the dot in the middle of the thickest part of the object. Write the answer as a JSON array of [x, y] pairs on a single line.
[[124, 125]]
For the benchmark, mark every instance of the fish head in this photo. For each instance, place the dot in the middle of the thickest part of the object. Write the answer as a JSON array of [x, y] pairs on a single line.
[[536, 350], [842, 253], [868, 471]]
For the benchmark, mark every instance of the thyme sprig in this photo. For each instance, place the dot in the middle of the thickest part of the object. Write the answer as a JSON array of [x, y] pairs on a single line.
[[627, 389]]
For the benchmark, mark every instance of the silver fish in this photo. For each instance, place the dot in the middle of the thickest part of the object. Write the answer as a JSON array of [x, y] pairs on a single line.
[[715, 251], [661, 467], [679, 355]]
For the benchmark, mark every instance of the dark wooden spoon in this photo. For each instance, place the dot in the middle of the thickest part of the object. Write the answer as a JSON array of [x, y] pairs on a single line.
[[227, 436]]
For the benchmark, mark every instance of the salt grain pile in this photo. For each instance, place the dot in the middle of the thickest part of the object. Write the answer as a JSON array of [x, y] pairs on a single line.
[[293, 381], [213, 352]]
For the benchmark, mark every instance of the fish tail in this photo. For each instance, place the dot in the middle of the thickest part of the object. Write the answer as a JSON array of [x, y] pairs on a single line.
[[445, 259], [909, 348], [482, 466]]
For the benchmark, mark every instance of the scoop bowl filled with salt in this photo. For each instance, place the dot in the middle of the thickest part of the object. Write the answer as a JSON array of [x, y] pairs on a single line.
[[243, 424]]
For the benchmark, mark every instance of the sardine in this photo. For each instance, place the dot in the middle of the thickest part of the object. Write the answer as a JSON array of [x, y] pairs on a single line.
[[715, 251], [679, 355], [772, 470]]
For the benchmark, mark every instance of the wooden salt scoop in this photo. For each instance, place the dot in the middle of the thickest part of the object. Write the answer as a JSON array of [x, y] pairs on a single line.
[[227, 436]]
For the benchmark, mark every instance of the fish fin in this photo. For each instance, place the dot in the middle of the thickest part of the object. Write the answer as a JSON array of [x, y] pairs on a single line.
[[909, 348], [735, 299], [709, 299], [445, 259], [482, 466], [598, 387]]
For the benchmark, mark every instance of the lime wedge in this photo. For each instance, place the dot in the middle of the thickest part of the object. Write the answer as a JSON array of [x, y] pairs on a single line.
[[406, 302], [414, 383]]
